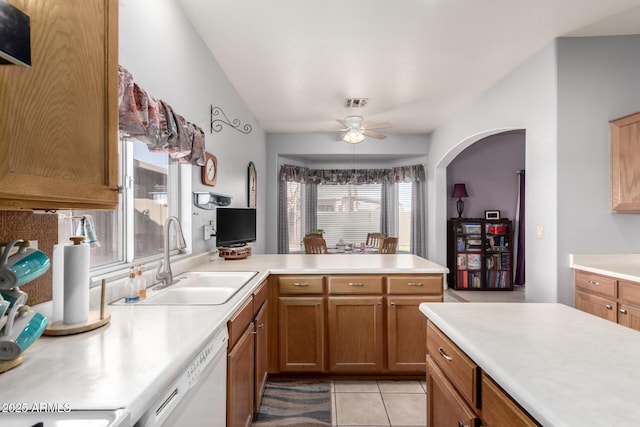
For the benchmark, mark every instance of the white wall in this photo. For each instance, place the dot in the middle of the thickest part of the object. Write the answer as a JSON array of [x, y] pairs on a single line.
[[166, 56], [598, 80], [327, 151], [525, 99]]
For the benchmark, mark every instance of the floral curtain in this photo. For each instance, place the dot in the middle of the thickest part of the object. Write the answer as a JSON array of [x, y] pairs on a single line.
[[154, 122]]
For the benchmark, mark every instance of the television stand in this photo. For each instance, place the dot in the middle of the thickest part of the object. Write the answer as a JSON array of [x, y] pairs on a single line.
[[234, 252]]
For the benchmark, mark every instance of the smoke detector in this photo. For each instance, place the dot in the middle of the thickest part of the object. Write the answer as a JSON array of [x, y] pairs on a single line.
[[356, 102]]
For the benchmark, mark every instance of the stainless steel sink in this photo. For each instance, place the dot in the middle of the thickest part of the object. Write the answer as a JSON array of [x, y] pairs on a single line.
[[198, 288]]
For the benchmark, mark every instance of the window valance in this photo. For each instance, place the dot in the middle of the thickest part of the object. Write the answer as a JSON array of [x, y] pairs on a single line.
[[154, 122], [414, 173]]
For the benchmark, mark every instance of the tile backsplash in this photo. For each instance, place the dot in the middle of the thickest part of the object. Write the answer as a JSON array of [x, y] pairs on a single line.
[[30, 226]]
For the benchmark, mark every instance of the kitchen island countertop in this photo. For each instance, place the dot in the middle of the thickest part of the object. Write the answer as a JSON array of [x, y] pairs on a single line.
[[126, 363], [567, 368]]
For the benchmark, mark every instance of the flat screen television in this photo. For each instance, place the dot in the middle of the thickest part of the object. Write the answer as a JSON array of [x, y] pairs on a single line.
[[235, 226]]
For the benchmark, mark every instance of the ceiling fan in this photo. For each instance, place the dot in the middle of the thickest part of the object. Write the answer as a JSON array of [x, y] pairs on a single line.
[[356, 129]]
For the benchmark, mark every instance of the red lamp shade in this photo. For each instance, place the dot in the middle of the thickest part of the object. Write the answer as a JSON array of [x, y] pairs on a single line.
[[459, 190]]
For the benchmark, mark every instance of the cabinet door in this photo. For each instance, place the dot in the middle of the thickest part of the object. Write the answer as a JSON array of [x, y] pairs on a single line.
[[240, 380], [445, 407], [356, 337], [262, 353], [597, 306], [406, 333], [59, 121], [629, 304], [301, 334], [499, 410], [624, 160], [629, 316]]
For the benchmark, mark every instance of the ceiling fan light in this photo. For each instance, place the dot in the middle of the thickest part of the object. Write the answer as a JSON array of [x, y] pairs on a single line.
[[353, 137]]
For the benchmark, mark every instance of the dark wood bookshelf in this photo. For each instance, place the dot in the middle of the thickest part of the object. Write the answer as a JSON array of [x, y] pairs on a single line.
[[480, 254]]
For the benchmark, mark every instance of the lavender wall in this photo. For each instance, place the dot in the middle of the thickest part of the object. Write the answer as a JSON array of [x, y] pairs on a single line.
[[487, 168]]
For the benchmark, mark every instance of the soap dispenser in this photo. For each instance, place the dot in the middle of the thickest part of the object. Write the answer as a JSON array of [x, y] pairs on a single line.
[[141, 282], [131, 289]]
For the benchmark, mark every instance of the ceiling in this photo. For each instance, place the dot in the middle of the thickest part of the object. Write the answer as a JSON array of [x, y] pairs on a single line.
[[417, 61]]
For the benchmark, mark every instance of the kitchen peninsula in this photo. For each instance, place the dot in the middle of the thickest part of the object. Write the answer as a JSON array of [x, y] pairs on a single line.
[[127, 363], [551, 364]]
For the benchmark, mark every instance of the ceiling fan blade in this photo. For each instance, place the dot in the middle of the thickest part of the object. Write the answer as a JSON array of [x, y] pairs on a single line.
[[375, 135], [343, 123], [383, 125]]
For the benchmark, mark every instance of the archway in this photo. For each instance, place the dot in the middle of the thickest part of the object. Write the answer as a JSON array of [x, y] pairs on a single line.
[[437, 246]]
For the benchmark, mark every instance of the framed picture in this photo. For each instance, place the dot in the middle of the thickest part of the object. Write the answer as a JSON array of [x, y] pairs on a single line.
[[491, 214], [252, 184]]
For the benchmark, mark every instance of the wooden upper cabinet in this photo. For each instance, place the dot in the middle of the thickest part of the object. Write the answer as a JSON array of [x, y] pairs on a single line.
[[59, 121], [625, 163]]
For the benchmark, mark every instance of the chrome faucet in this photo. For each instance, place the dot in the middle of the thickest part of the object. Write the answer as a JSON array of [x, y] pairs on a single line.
[[165, 275]]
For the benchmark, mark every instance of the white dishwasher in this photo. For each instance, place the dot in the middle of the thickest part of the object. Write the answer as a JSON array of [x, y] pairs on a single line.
[[198, 398]]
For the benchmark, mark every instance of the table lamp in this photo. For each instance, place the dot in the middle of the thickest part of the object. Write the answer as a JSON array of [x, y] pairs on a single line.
[[459, 191]]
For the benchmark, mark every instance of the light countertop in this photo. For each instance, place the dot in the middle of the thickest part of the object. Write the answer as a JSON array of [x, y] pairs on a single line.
[[564, 366], [144, 348], [621, 266]]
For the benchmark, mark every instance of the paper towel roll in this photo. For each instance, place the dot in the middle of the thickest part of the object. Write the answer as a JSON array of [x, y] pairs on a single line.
[[57, 288], [76, 284]]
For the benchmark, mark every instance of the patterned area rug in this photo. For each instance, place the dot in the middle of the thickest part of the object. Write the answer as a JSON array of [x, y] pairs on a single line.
[[295, 403]]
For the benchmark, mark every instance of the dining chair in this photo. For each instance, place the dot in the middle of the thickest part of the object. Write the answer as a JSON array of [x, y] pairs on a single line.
[[314, 235], [315, 245], [374, 239], [388, 245]]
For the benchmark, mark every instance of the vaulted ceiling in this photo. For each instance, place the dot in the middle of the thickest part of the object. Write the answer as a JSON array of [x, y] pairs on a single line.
[[417, 61]]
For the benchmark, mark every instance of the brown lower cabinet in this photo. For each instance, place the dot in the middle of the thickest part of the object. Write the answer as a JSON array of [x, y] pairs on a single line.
[[247, 359], [460, 394], [240, 380], [342, 324], [261, 354], [608, 297], [445, 406], [352, 324], [301, 334], [406, 337], [356, 334]]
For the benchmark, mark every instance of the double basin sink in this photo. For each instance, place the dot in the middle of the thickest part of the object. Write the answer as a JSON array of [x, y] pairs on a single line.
[[198, 288]]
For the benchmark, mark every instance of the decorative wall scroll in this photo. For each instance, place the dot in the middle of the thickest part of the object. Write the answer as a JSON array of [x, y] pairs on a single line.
[[216, 124]]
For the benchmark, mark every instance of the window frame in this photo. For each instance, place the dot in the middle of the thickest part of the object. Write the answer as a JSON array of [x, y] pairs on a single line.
[[178, 188]]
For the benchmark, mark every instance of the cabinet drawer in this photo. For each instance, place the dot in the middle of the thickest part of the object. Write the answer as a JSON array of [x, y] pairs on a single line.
[[629, 293], [499, 409], [430, 284], [292, 285], [355, 284], [259, 297], [457, 366], [595, 283], [239, 322]]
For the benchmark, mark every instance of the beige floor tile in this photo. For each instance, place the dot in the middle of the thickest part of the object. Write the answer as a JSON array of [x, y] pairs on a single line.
[[361, 409], [423, 383], [406, 409], [391, 386], [356, 386]]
